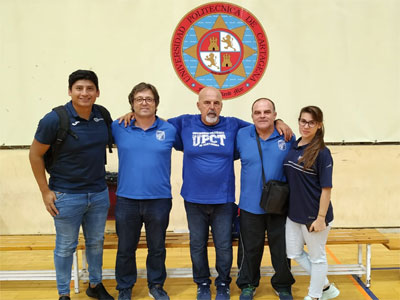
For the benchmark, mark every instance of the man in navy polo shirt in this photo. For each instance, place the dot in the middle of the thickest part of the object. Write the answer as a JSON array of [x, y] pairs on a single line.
[[254, 221], [144, 191], [76, 193]]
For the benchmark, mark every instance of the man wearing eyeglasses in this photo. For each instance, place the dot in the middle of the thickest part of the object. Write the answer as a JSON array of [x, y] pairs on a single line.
[[144, 191]]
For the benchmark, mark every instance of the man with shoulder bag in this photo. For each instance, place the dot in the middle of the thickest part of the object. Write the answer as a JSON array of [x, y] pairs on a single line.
[[262, 202]]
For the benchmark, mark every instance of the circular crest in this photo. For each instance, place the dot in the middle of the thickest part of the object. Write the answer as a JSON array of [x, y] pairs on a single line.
[[221, 45]]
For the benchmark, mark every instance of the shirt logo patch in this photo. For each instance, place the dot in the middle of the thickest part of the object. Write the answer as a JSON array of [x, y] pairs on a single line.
[[98, 119], [202, 139], [75, 123], [160, 135], [282, 145]]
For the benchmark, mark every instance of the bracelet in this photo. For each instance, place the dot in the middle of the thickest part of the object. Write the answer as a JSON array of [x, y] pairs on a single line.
[[321, 215]]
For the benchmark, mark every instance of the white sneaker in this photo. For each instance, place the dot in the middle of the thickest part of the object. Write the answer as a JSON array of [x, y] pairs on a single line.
[[308, 298], [330, 293]]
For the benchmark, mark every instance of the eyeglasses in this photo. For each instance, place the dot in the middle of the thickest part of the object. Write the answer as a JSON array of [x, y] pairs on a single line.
[[140, 100], [311, 123]]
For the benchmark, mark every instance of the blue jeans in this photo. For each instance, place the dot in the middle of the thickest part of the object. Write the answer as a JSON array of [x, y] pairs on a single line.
[[219, 217], [130, 214], [89, 210]]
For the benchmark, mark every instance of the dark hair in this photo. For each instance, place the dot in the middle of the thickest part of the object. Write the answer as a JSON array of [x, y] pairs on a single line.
[[83, 75], [317, 143], [141, 87], [272, 102]]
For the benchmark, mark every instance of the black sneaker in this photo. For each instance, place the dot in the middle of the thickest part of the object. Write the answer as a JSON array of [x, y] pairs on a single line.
[[158, 293], [64, 298], [98, 292], [125, 294], [203, 292]]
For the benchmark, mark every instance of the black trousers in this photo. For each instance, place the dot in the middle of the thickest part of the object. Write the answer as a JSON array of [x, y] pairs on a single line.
[[251, 248]]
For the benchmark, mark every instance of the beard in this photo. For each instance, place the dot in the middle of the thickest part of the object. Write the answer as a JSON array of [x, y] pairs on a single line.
[[212, 117]]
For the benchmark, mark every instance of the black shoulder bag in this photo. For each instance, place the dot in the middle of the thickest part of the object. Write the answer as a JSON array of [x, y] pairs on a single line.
[[275, 193]]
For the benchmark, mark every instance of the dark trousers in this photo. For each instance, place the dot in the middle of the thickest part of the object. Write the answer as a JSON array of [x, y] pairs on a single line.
[[251, 248], [200, 217], [130, 214]]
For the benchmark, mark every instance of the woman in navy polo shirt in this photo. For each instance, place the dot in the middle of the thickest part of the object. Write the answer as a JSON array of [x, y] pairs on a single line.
[[308, 169]]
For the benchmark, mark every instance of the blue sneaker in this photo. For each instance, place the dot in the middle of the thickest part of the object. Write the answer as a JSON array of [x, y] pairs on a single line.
[[158, 293], [284, 295], [248, 293], [203, 292], [223, 292], [125, 294]]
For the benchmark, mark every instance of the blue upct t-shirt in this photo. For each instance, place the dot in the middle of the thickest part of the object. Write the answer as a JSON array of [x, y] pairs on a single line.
[[79, 167], [144, 159], [274, 151], [208, 174], [306, 184]]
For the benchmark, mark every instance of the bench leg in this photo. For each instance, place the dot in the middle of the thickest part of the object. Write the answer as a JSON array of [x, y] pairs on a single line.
[[85, 273], [360, 257], [76, 272], [368, 265]]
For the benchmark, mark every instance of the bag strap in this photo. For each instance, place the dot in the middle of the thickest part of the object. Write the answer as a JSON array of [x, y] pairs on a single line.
[[107, 119], [259, 151]]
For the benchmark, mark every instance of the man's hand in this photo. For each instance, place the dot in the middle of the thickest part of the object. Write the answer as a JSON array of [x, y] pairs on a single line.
[[48, 198], [127, 118], [284, 129]]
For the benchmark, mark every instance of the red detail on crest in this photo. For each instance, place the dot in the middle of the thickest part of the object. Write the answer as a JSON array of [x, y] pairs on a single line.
[[220, 8]]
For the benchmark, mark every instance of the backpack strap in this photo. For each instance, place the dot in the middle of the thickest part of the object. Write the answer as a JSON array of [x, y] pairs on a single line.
[[107, 119], [64, 128], [62, 132]]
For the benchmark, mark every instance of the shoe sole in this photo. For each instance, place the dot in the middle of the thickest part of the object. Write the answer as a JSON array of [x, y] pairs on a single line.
[[151, 296], [337, 293]]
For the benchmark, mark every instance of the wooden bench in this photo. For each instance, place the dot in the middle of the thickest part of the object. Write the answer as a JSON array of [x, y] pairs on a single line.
[[393, 244], [181, 240], [34, 242]]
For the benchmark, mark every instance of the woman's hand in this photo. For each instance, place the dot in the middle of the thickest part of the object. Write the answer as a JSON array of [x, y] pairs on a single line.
[[318, 225]]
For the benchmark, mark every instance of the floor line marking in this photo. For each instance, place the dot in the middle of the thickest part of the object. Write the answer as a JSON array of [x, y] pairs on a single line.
[[361, 289]]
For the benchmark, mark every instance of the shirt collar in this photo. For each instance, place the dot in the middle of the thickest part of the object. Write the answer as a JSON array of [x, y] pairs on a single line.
[[72, 110], [274, 134], [154, 125], [296, 144]]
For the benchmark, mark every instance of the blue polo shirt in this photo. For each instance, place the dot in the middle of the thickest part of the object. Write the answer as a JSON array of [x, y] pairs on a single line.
[[144, 159], [274, 150], [306, 185], [208, 154], [79, 167]]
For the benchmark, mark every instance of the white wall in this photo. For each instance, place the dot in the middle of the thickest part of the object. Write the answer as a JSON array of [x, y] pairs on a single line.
[[365, 193], [341, 55]]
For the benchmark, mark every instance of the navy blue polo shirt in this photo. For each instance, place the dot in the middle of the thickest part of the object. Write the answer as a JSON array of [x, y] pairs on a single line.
[[79, 167], [306, 185]]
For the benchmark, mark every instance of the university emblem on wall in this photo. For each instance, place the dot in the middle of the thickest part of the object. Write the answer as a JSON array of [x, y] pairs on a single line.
[[221, 45]]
